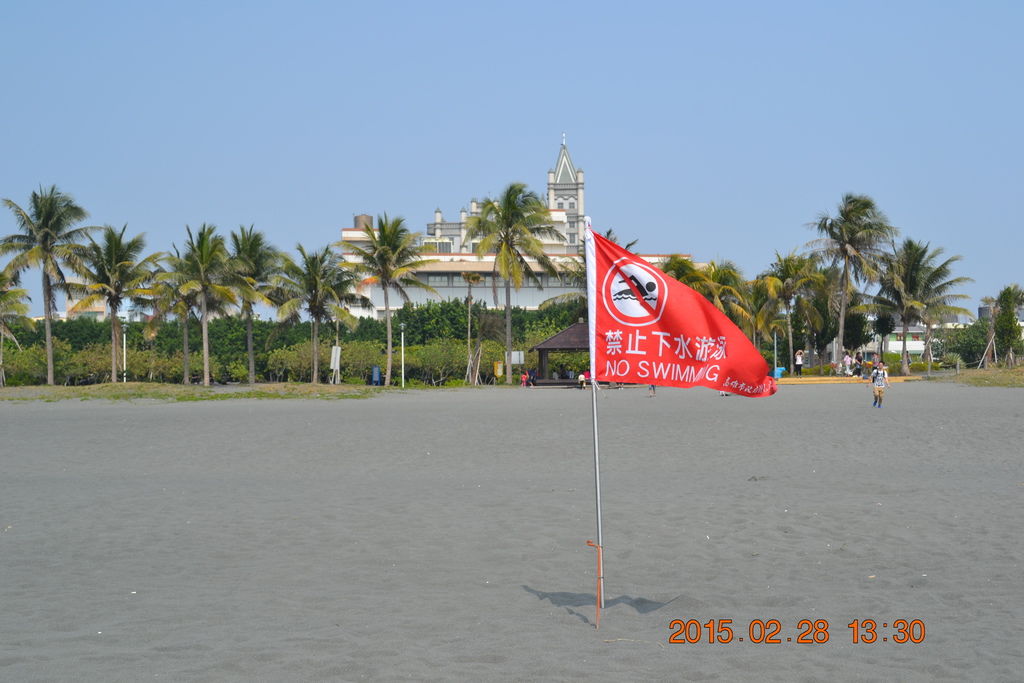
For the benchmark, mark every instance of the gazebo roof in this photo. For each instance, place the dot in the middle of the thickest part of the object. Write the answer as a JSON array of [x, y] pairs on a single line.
[[576, 337]]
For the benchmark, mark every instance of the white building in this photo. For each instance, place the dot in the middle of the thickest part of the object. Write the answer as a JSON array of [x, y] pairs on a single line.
[[446, 245], [98, 311]]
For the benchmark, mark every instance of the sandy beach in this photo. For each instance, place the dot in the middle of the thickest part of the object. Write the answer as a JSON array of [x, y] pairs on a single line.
[[440, 536]]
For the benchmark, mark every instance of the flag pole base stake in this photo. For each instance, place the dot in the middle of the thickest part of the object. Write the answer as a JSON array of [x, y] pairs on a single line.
[[600, 581]]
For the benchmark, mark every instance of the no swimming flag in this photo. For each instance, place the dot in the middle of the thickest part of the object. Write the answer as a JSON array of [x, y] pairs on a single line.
[[649, 328]]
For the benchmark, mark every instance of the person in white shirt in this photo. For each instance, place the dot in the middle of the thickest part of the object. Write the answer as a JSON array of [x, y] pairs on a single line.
[[879, 380]]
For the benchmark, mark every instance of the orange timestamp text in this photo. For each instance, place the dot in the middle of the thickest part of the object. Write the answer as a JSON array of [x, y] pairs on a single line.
[[807, 631]]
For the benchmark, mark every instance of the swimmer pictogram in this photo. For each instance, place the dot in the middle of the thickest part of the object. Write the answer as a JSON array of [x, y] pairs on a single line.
[[634, 293], [647, 289]]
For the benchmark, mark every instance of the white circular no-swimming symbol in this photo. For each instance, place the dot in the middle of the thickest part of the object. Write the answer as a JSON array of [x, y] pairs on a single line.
[[634, 293]]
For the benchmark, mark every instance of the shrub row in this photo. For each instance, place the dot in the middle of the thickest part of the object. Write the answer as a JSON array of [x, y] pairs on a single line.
[[442, 361]]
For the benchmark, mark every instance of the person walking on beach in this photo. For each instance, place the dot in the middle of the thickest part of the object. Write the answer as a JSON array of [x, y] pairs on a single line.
[[879, 381], [798, 364]]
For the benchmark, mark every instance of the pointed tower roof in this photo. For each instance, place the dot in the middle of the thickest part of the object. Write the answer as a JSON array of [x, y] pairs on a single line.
[[565, 172]]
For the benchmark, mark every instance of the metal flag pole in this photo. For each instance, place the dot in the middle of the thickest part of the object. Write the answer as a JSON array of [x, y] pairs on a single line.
[[591, 264], [599, 546]]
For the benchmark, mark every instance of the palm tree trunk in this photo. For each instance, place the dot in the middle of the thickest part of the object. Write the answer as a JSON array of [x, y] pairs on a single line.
[[206, 342], [477, 355], [810, 336], [928, 347], [252, 353], [186, 371], [47, 316], [904, 354], [316, 351], [115, 334], [844, 284], [508, 332], [387, 325]]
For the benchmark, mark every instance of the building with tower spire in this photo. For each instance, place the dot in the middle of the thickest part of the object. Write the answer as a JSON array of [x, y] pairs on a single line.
[[565, 193], [445, 243]]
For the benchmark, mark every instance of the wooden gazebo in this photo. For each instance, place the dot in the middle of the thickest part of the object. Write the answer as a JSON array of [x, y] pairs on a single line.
[[576, 337]]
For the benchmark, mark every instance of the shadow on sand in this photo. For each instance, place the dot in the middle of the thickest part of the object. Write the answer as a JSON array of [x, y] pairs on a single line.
[[571, 600]]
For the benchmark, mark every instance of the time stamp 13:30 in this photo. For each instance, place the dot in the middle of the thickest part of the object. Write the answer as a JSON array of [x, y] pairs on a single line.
[[807, 631]]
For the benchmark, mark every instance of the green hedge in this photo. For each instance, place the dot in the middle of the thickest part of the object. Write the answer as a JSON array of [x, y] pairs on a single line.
[[435, 347]]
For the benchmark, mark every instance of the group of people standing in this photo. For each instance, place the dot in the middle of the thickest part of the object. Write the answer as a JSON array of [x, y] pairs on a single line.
[[528, 378], [851, 366]]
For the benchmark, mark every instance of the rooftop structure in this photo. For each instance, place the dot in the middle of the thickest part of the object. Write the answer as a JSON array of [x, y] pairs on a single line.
[[445, 244]]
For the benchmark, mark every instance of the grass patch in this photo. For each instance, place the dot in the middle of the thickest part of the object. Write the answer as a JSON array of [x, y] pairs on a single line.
[[994, 377], [138, 391]]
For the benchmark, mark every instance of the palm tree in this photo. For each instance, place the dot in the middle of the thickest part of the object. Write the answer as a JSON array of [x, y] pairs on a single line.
[[937, 304], [761, 303], [169, 297], [818, 308], [320, 284], [852, 239], [113, 271], [205, 270], [12, 309], [470, 278], [390, 260], [511, 227], [255, 262], [721, 283], [47, 240], [795, 276], [912, 281], [489, 326], [681, 268]]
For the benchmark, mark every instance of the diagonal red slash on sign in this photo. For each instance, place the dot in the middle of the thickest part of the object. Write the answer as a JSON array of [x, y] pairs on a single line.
[[640, 296]]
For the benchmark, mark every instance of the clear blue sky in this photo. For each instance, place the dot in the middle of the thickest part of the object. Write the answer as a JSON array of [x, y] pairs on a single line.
[[715, 129]]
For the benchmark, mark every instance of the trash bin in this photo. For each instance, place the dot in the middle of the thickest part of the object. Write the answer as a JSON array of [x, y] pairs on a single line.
[[778, 373], [375, 376]]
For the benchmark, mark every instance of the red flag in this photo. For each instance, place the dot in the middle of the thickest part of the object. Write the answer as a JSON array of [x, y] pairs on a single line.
[[648, 328]]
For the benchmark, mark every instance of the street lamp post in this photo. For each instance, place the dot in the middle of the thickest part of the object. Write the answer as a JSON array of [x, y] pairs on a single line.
[[402, 327]]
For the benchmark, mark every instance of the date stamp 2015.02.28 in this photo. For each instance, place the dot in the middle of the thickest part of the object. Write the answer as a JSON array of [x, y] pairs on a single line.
[[806, 631]]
